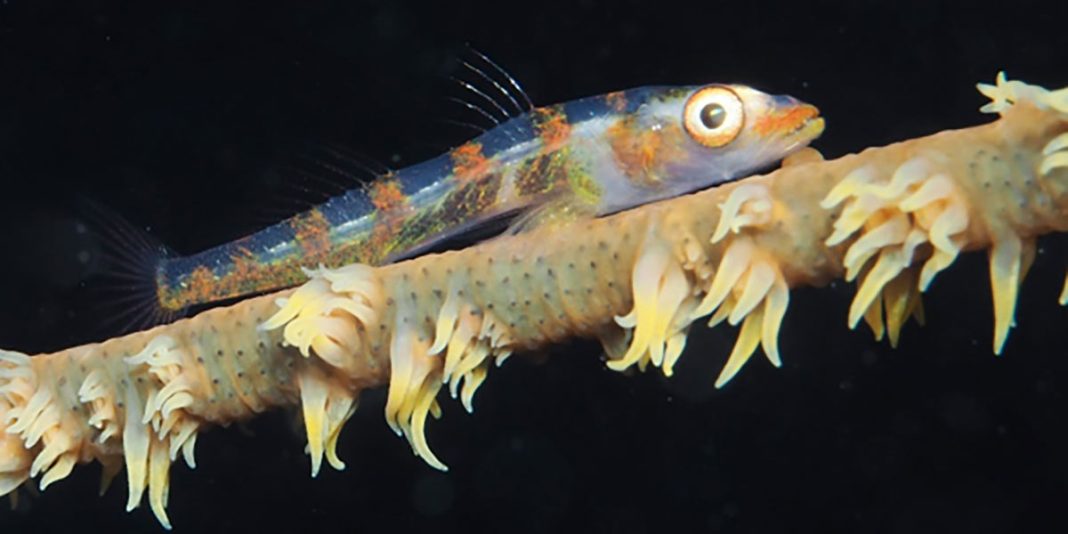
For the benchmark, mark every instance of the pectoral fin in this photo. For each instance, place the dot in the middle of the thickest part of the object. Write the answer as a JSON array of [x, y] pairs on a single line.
[[556, 212]]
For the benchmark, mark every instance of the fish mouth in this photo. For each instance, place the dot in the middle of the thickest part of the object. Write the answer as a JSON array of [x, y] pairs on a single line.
[[797, 122], [810, 128], [804, 121], [804, 124], [799, 125]]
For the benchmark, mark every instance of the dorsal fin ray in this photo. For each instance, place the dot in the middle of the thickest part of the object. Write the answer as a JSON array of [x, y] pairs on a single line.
[[339, 162], [499, 89], [527, 105], [475, 107], [506, 113], [320, 172]]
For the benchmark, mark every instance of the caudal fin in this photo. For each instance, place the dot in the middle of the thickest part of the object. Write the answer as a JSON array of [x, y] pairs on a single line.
[[123, 293]]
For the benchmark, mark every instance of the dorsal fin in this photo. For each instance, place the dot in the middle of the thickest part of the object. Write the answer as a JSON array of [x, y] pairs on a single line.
[[348, 165], [494, 94], [318, 172]]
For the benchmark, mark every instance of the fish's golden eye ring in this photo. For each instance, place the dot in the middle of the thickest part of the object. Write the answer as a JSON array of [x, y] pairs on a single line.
[[714, 116]]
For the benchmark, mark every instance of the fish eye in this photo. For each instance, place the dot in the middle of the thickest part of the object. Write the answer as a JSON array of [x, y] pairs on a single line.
[[714, 116]]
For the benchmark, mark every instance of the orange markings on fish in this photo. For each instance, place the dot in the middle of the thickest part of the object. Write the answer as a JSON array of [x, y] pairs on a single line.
[[617, 100], [246, 268], [469, 162], [639, 151], [386, 195], [201, 284], [312, 232], [788, 120], [553, 127]]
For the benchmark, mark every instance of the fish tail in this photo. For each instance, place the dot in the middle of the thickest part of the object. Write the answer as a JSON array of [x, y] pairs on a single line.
[[125, 290]]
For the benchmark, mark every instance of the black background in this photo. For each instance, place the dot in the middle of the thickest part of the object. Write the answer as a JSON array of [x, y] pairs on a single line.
[[192, 121]]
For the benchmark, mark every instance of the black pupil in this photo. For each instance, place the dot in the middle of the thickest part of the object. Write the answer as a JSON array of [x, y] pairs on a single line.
[[713, 115]]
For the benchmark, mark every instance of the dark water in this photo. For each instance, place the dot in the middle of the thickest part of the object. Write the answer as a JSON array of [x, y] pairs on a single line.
[[192, 121]]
